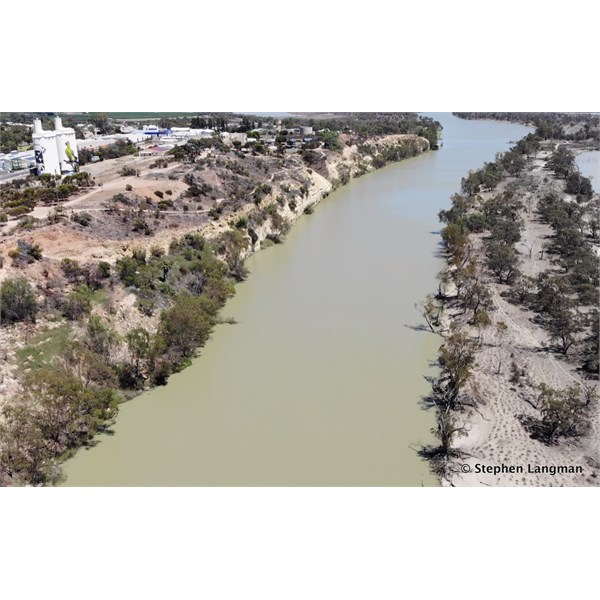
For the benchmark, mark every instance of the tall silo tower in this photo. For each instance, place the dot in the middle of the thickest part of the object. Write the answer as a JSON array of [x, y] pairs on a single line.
[[66, 145], [45, 149]]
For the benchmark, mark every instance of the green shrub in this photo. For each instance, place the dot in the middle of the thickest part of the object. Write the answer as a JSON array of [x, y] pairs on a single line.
[[25, 252], [17, 301], [186, 325], [127, 172], [70, 268], [78, 303], [104, 269], [82, 218], [241, 223], [165, 204]]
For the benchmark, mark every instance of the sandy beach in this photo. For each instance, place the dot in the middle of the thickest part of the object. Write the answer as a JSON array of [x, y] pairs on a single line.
[[496, 436]]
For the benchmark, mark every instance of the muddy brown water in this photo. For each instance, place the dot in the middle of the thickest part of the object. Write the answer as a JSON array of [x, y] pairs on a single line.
[[320, 380]]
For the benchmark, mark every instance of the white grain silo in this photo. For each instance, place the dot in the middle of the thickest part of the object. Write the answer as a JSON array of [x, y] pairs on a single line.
[[66, 146], [45, 149]]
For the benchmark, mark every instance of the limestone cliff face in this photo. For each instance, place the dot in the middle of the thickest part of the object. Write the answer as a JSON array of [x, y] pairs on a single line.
[[309, 186]]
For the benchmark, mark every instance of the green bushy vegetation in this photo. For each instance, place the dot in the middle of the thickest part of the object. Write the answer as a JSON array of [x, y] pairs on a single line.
[[74, 378], [58, 412], [20, 196], [116, 150], [17, 301], [14, 137]]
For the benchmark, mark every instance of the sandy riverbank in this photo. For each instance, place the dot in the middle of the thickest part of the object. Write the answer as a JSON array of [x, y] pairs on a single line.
[[496, 436]]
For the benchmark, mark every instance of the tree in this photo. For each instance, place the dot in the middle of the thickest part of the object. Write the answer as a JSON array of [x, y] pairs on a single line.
[[530, 245], [231, 245], [331, 140], [476, 297], [504, 230], [78, 303], [529, 145], [89, 366], [101, 123], [139, 346], [100, 338], [17, 301], [580, 186], [562, 161], [430, 311], [456, 240], [311, 157], [501, 332], [522, 290], [552, 294], [457, 359], [186, 325], [71, 269], [563, 413], [563, 325], [23, 455], [465, 274], [471, 184], [57, 412], [460, 205], [481, 320], [512, 162], [594, 226], [502, 260], [447, 430], [592, 345]]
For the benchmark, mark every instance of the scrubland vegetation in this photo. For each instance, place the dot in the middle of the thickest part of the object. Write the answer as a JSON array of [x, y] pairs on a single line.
[[483, 241]]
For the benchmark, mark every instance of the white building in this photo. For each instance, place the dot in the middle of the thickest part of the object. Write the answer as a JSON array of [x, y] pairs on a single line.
[[17, 161], [55, 151], [135, 137], [238, 137], [187, 133]]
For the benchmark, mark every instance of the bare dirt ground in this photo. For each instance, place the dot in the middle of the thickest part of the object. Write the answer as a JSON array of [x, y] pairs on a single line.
[[496, 436]]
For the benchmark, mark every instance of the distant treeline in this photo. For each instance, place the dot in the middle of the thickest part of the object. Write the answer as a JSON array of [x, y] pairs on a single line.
[[364, 125], [555, 126], [367, 125], [13, 137], [116, 150]]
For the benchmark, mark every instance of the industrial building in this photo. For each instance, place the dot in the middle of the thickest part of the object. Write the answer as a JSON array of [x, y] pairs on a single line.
[[17, 161], [55, 151], [186, 133]]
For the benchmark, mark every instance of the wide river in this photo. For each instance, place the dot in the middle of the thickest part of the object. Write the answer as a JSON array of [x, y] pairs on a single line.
[[320, 380]]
